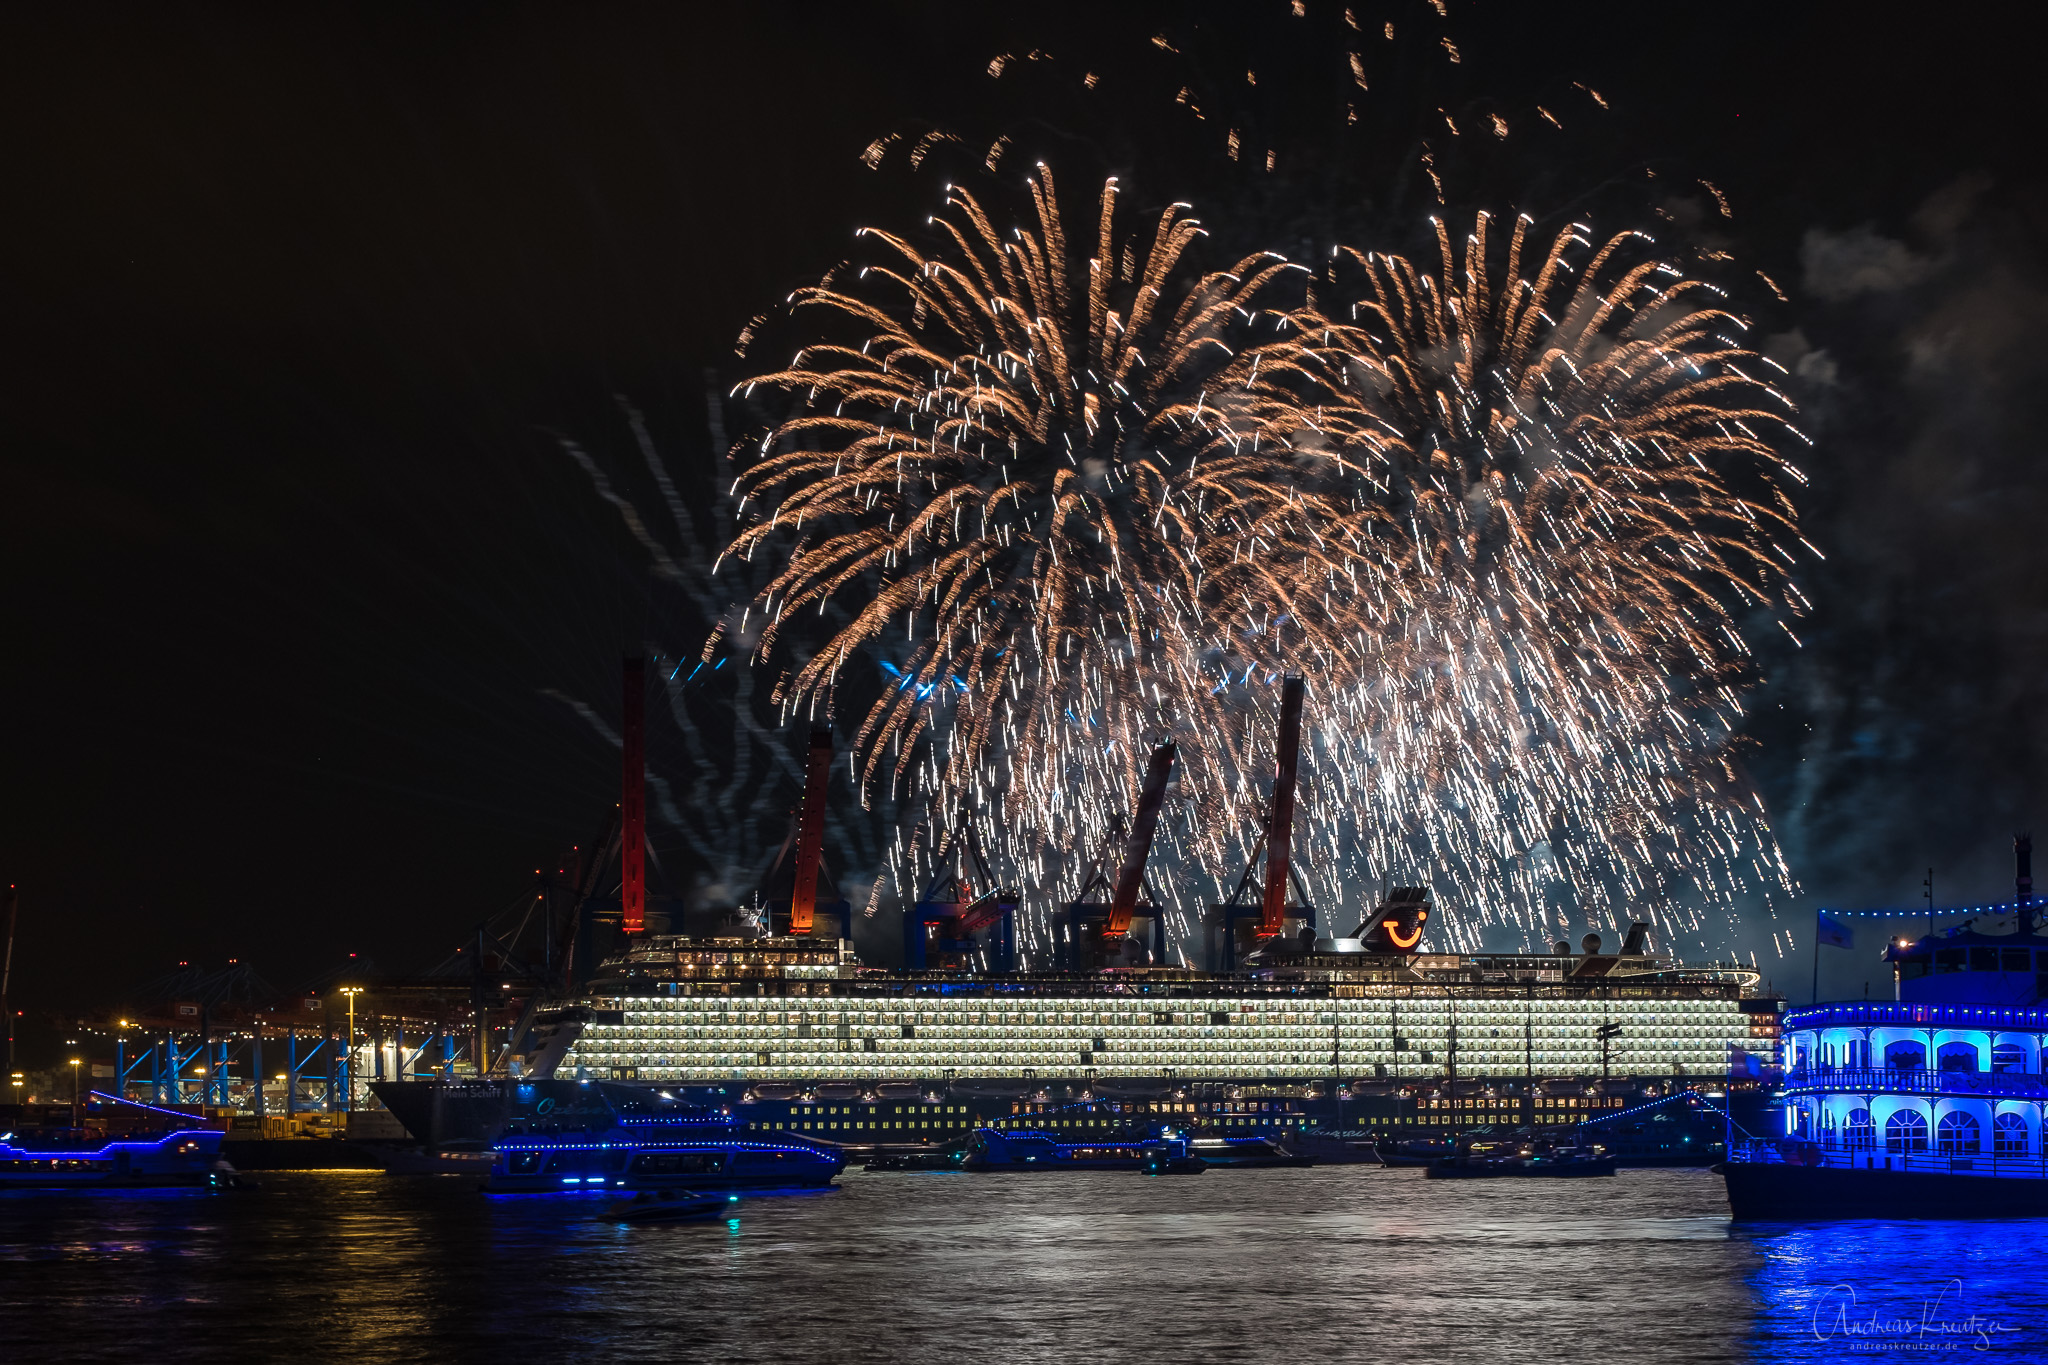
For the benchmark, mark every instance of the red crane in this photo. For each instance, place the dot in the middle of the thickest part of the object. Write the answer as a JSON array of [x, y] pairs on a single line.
[[1138, 846], [1280, 820], [810, 832], [633, 802]]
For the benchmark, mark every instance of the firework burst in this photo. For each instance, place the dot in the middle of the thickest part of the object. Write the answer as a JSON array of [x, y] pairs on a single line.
[[1079, 498], [1572, 485], [1009, 465]]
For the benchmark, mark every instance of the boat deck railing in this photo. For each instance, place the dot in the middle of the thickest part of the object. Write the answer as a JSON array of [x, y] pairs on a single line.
[[1789, 1152], [1914, 1081]]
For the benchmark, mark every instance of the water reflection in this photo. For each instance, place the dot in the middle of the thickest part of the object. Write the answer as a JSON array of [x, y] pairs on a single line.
[[1327, 1263], [1955, 1289]]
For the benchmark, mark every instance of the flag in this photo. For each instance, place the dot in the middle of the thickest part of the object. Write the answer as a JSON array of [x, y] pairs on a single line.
[[1831, 931], [1742, 1063]]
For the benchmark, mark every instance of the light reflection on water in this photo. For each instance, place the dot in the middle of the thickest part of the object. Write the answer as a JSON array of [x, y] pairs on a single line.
[[1328, 1263], [1876, 1290]]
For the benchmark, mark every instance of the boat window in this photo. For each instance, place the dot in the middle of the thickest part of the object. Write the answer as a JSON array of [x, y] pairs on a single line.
[[1950, 959], [1983, 959], [1905, 1056], [1859, 1131], [1905, 1131], [2009, 1135], [2016, 960], [1959, 1134], [2008, 1057], [678, 1163], [1958, 1057]]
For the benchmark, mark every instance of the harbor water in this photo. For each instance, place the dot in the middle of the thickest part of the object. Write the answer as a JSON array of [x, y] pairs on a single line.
[[1352, 1263]]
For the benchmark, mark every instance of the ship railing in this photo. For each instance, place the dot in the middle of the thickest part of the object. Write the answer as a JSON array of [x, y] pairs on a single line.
[[1915, 1081], [1841, 1156]]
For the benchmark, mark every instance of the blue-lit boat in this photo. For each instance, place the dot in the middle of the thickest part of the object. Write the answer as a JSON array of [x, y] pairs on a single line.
[[594, 1138], [1032, 1149], [189, 1156], [1927, 1106]]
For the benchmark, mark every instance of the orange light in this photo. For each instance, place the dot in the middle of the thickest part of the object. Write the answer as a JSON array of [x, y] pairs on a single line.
[[1394, 933]]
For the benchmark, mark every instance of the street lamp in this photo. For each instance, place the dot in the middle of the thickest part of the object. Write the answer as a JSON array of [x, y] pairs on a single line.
[[350, 1052], [74, 1092]]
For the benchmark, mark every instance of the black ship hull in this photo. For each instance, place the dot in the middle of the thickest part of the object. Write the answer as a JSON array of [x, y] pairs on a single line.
[[1768, 1192], [438, 1112]]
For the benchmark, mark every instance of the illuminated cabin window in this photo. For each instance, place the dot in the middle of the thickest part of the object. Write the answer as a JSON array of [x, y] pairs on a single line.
[[2009, 1135], [1905, 1056], [1905, 1131], [1859, 1132], [1959, 1134]]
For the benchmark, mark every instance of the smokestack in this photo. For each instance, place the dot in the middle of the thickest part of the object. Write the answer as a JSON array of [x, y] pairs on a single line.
[[810, 832], [1280, 823], [2023, 880], [633, 801]]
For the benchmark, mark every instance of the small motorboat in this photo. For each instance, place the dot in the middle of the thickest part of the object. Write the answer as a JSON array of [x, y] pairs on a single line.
[[671, 1206], [1166, 1161], [1247, 1152], [1520, 1155], [993, 1149], [1567, 1162], [1412, 1151], [1335, 1147], [914, 1161]]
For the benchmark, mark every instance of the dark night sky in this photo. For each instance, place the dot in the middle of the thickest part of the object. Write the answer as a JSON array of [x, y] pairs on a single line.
[[296, 307]]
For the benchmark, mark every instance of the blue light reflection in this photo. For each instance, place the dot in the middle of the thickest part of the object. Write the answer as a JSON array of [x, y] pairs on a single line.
[[1900, 1290]]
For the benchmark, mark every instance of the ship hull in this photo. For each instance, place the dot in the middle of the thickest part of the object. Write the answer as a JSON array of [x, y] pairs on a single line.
[[1768, 1192]]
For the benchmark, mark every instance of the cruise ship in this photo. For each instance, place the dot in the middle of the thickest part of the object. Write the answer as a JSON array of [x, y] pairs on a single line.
[[800, 1037], [1290, 1027]]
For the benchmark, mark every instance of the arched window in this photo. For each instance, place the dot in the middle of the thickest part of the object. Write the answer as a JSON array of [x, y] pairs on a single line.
[[2008, 1057], [1860, 1132], [2009, 1135], [1905, 1131], [1905, 1055], [1959, 1134], [1958, 1057]]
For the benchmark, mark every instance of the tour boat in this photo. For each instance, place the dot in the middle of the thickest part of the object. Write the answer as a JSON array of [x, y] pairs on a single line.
[[606, 1139], [187, 1156]]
